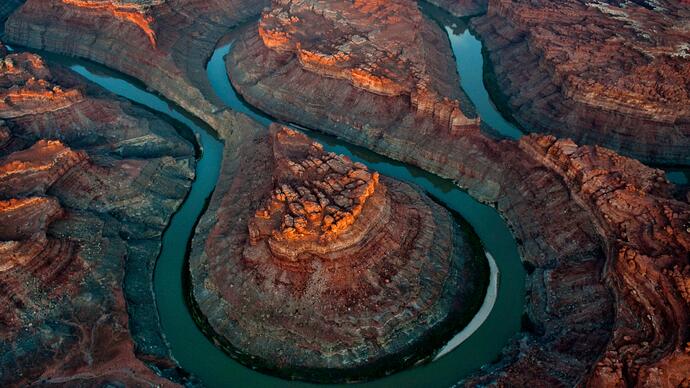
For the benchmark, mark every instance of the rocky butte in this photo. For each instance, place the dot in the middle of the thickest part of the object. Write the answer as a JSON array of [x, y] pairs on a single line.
[[601, 72], [87, 184], [309, 265]]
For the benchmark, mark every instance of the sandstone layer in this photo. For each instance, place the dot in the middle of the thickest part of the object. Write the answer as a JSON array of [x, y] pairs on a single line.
[[87, 184], [647, 234], [163, 43], [370, 57], [311, 266], [601, 72], [576, 295]]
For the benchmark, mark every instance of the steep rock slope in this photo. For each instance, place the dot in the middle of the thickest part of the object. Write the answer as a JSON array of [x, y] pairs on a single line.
[[612, 73], [461, 8], [559, 243], [648, 240], [311, 266], [163, 43], [87, 184]]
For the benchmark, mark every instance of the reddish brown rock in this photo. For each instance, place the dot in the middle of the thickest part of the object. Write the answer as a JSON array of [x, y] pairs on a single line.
[[374, 51], [5, 135], [610, 73], [86, 180], [570, 309], [37, 168], [648, 238], [22, 218], [163, 43], [311, 266]]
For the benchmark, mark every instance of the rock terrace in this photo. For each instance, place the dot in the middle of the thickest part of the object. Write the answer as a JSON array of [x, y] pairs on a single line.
[[79, 171], [377, 46]]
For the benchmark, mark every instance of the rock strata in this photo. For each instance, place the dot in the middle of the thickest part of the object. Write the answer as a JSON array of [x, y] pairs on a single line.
[[648, 240], [163, 43], [609, 73], [374, 50], [311, 266], [86, 181], [461, 8]]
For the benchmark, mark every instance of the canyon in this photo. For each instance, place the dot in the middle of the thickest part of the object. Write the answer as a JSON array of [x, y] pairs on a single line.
[[604, 73], [88, 183], [461, 8], [311, 266], [569, 264]]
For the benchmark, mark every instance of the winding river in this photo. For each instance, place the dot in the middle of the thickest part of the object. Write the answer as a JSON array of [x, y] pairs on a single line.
[[478, 344]]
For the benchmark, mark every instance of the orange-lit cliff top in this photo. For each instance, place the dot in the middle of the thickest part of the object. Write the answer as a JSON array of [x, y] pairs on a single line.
[[317, 195], [332, 248], [127, 11], [366, 42]]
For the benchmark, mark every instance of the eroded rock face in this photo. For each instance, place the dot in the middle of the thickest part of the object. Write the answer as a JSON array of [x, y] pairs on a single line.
[[317, 198], [648, 234], [377, 48], [87, 184], [127, 11], [311, 266], [163, 43], [620, 79]]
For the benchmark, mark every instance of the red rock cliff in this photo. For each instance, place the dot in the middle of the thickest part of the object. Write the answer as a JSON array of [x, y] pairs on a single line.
[[597, 72]]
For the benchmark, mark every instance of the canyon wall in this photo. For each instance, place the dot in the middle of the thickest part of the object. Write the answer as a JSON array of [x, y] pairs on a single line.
[[647, 234], [596, 72], [164, 44], [87, 185], [461, 8], [573, 310]]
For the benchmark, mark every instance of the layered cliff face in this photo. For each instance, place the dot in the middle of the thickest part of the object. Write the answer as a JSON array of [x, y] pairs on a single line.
[[373, 50], [648, 240], [87, 184], [311, 266], [163, 43], [619, 79]]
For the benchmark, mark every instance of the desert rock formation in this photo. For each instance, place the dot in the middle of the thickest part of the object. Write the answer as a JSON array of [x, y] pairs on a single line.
[[461, 8], [647, 232], [312, 266], [377, 48], [618, 79], [163, 43], [87, 184], [572, 310]]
